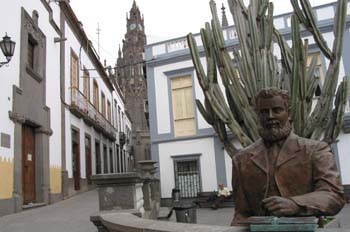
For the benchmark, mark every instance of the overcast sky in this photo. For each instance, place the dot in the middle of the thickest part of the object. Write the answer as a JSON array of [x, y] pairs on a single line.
[[164, 19]]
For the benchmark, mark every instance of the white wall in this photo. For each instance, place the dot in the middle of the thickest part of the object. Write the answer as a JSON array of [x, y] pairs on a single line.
[[344, 160], [205, 147], [228, 166], [9, 74], [53, 90]]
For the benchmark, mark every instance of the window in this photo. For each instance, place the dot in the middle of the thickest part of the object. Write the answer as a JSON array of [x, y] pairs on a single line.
[[109, 111], [115, 115], [96, 100], [145, 105], [103, 104], [183, 106], [123, 123], [318, 71], [74, 69], [86, 82], [187, 176], [31, 53], [119, 122]]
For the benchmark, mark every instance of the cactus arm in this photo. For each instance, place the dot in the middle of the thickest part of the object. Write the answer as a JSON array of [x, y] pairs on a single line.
[[262, 8], [197, 63], [303, 89], [286, 53], [312, 27], [241, 29], [335, 122], [339, 28], [299, 13], [269, 31], [296, 71]]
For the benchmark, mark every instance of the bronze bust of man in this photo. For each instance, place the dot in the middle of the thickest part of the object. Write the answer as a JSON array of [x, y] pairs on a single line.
[[283, 174]]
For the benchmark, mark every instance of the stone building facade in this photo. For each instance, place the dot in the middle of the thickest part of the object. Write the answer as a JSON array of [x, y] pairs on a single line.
[[131, 77]]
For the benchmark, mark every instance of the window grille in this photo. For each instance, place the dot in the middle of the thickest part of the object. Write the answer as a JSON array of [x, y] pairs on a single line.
[[187, 177]]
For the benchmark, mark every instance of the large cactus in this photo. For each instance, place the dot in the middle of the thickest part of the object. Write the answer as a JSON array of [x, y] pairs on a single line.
[[253, 66]]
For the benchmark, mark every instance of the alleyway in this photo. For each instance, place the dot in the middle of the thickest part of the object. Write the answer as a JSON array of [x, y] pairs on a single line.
[[73, 215]]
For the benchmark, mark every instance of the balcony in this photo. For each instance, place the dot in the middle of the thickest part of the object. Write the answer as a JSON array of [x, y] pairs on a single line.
[[82, 108]]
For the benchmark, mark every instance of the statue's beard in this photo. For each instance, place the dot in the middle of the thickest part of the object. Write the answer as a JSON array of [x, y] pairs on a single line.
[[276, 133]]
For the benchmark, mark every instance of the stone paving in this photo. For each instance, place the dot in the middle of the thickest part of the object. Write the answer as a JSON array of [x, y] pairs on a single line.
[[69, 215], [73, 215]]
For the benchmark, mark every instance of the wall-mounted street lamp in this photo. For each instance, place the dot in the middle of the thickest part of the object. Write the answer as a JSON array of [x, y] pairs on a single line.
[[8, 48]]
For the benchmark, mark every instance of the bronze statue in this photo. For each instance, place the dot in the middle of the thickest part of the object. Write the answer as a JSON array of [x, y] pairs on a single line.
[[283, 174]]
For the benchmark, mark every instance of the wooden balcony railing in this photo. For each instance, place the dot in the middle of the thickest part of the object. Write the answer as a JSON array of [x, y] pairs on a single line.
[[82, 107]]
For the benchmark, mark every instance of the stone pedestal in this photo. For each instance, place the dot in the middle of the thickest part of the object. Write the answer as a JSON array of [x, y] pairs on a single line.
[[119, 191], [151, 190]]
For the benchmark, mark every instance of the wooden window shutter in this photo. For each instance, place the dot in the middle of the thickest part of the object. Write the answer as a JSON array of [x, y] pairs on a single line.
[[96, 100], [74, 71], [86, 81], [183, 106]]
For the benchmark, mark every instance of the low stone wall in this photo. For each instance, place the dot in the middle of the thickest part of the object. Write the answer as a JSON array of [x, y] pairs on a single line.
[[127, 221], [131, 190]]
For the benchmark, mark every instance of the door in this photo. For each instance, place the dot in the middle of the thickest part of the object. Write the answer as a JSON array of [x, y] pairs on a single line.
[[88, 158], [76, 159], [98, 157], [111, 166], [28, 164], [105, 161]]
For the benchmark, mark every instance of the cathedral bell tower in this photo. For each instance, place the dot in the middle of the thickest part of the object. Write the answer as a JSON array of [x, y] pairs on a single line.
[[131, 78]]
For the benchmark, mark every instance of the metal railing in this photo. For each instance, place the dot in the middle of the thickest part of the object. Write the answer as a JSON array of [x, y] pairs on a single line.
[[88, 110], [187, 178]]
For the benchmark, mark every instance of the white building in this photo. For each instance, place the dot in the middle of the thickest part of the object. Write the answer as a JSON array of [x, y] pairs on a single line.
[[62, 116], [189, 152], [94, 110]]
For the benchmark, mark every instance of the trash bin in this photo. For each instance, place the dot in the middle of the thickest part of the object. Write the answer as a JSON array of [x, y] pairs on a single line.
[[185, 212]]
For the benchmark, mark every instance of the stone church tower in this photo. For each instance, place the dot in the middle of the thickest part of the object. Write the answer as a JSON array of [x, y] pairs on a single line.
[[131, 76]]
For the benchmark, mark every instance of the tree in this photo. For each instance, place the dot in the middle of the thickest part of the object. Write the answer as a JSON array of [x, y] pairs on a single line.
[[254, 66]]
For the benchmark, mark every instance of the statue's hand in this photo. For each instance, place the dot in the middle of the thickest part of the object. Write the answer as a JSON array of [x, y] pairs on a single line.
[[280, 206]]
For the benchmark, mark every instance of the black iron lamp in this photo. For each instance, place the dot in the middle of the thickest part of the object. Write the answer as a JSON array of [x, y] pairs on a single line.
[[8, 48]]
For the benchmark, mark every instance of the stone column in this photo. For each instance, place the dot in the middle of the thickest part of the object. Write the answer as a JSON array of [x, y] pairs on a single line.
[[120, 191], [150, 188]]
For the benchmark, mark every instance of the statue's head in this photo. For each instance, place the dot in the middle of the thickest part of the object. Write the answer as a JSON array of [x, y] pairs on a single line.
[[273, 109]]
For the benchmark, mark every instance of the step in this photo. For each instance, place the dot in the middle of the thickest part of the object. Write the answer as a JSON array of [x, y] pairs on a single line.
[[33, 205]]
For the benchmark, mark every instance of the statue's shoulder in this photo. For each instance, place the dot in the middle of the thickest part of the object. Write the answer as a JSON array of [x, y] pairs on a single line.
[[247, 151], [311, 144]]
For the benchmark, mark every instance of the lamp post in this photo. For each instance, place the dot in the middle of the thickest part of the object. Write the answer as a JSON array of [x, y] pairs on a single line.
[[7, 47]]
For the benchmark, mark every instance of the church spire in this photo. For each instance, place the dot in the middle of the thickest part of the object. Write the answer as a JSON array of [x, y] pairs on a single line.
[[119, 52], [224, 21]]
